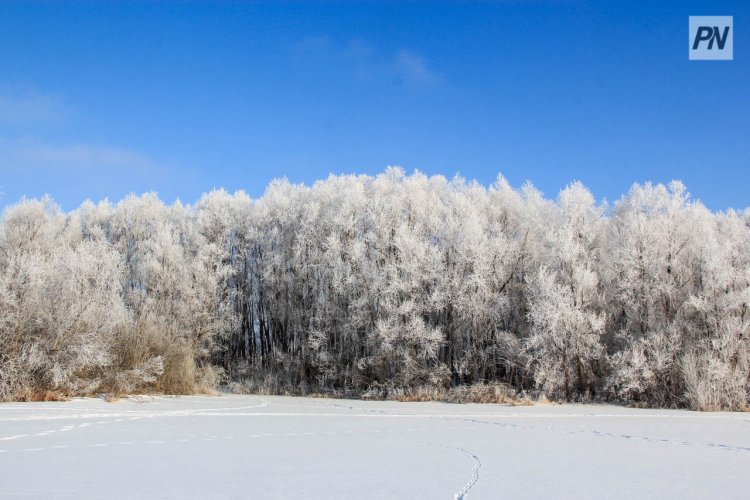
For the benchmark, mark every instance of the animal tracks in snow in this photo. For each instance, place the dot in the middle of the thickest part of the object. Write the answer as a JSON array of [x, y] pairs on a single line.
[[372, 450]]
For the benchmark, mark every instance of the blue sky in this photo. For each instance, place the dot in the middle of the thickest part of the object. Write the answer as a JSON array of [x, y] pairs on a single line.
[[100, 100]]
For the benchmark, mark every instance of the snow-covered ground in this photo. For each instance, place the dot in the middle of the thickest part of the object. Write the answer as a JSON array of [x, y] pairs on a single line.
[[279, 447]]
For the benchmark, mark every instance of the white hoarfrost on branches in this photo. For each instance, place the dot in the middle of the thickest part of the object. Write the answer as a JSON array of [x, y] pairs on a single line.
[[392, 282]]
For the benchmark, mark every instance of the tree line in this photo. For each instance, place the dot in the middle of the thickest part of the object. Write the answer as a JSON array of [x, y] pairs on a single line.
[[393, 281]]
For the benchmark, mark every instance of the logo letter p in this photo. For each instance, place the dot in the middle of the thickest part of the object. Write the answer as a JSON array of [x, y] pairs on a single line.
[[705, 33]]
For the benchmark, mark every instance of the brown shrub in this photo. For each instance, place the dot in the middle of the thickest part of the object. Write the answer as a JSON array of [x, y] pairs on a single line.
[[41, 395], [482, 393], [495, 393]]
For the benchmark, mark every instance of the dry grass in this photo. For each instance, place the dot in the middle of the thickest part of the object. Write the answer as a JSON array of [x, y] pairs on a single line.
[[149, 362], [496, 393], [271, 385], [416, 394], [493, 393], [42, 395]]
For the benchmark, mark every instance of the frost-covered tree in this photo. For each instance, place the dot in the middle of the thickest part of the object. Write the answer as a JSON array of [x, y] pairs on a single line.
[[60, 303], [716, 364], [376, 283], [654, 267], [567, 323]]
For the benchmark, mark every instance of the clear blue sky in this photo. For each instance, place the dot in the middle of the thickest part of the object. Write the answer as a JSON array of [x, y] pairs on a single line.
[[101, 100]]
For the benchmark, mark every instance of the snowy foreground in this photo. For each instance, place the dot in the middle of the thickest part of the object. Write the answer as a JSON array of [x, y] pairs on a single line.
[[279, 447]]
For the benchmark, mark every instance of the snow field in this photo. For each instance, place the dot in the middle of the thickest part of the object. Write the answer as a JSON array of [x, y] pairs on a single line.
[[279, 447]]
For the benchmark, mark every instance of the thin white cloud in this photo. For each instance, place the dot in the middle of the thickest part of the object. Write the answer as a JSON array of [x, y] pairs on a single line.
[[25, 106], [413, 68], [365, 63], [35, 158], [34, 154], [83, 155], [24, 113]]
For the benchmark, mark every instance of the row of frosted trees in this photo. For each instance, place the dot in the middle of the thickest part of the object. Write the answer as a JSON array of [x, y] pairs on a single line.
[[391, 281]]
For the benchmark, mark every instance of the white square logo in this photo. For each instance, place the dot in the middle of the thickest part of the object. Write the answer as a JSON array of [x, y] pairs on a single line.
[[711, 38]]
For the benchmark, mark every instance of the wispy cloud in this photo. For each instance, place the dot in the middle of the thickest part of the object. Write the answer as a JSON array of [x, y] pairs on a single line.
[[73, 158], [41, 150], [26, 143], [24, 106], [413, 68], [363, 62], [82, 155]]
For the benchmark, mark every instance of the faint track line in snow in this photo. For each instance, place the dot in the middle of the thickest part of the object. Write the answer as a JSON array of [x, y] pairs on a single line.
[[205, 437], [10, 438], [461, 494], [137, 414], [474, 476], [84, 425], [596, 433], [727, 447], [233, 412], [371, 410]]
